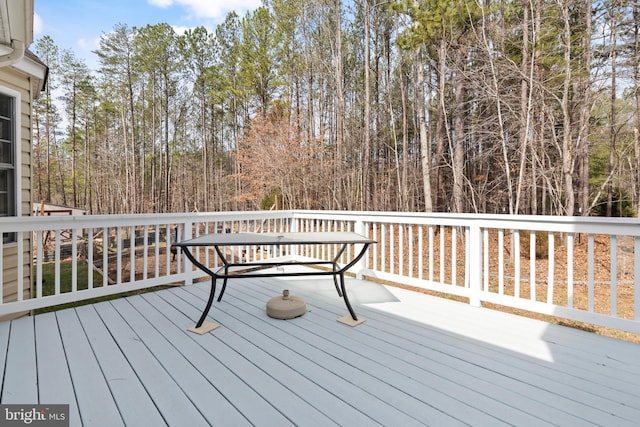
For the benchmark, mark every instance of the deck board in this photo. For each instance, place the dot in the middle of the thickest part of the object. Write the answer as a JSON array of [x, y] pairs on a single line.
[[20, 379], [324, 387], [345, 361], [425, 361], [198, 371], [124, 384], [93, 396], [440, 389], [168, 396], [597, 388], [251, 358], [556, 380], [417, 360], [54, 379]]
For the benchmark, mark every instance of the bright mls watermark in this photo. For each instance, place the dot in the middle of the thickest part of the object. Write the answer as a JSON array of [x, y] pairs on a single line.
[[34, 415]]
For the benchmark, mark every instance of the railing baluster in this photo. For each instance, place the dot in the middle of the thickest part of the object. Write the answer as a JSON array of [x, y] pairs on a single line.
[[613, 286], [516, 264], [145, 253], [454, 255], [570, 289], [383, 250], [591, 273], [74, 260], [401, 249], [376, 246], [501, 261], [431, 258], [57, 263], [20, 258], [442, 254], [550, 267], [157, 250], [105, 257], [636, 278], [392, 247], [38, 244], [89, 259], [532, 265], [119, 254], [420, 252], [167, 253], [485, 259], [132, 254], [467, 257], [410, 272]]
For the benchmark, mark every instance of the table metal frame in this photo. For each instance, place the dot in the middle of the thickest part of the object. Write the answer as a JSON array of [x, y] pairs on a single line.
[[248, 269]]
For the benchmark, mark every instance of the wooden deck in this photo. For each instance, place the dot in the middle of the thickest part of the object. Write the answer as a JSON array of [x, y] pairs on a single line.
[[417, 360]]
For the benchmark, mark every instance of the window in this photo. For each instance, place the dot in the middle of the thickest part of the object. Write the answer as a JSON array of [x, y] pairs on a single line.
[[7, 161]]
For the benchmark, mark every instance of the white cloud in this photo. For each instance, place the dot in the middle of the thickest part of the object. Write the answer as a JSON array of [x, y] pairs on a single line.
[[180, 30], [37, 24], [89, 44], [160, 3], [213, 9]]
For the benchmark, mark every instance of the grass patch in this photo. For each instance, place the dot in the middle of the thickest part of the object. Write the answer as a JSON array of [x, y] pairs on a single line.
[[49, 277]]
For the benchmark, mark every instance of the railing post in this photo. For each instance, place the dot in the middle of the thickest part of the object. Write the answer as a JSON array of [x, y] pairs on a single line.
[[360, 227], [187, 234], [293, 227], [475, 264]]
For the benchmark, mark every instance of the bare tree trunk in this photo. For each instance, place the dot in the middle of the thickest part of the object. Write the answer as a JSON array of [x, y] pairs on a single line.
[[458, 149], [366, 154], [425, 146], [339, 105], [155, 196], [526, 94], [403, 183], [614, 118], [636, 75], [584, 109], [567, 138], [540, 117], [440, 126]]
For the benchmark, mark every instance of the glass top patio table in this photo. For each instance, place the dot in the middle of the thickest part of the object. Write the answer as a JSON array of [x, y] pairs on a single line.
[[248, 269]]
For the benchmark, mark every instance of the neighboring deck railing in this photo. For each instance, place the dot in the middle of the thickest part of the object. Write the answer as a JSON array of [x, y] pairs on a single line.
[[579, 268]]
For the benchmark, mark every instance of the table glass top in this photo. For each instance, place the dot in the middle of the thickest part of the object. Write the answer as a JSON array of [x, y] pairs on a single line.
[[241, 239]]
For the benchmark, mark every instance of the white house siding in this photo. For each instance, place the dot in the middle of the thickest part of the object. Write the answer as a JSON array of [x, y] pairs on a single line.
[[17, 82]]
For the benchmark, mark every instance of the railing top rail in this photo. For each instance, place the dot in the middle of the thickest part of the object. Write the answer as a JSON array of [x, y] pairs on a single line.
[[575, 224], [35, 223], [566, 224]]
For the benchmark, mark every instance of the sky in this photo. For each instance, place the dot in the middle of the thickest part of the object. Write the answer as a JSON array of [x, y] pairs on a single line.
[[78, 24]]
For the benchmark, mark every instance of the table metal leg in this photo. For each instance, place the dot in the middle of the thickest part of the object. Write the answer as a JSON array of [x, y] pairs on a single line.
[[225, 262], [224, 286], [342, 271], [209, 302], [336, 268], [346, 299], [213, 284]]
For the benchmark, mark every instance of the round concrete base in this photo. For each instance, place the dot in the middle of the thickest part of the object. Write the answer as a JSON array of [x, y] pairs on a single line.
[[286, 306]]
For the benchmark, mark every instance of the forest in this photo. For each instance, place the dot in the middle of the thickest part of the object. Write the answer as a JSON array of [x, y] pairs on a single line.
[[517, 107]]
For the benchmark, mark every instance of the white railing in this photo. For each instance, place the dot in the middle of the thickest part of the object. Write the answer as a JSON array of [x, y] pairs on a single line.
[[584, 269]]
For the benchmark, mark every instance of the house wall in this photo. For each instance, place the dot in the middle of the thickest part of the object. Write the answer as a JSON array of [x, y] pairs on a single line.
[[18, 84]]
